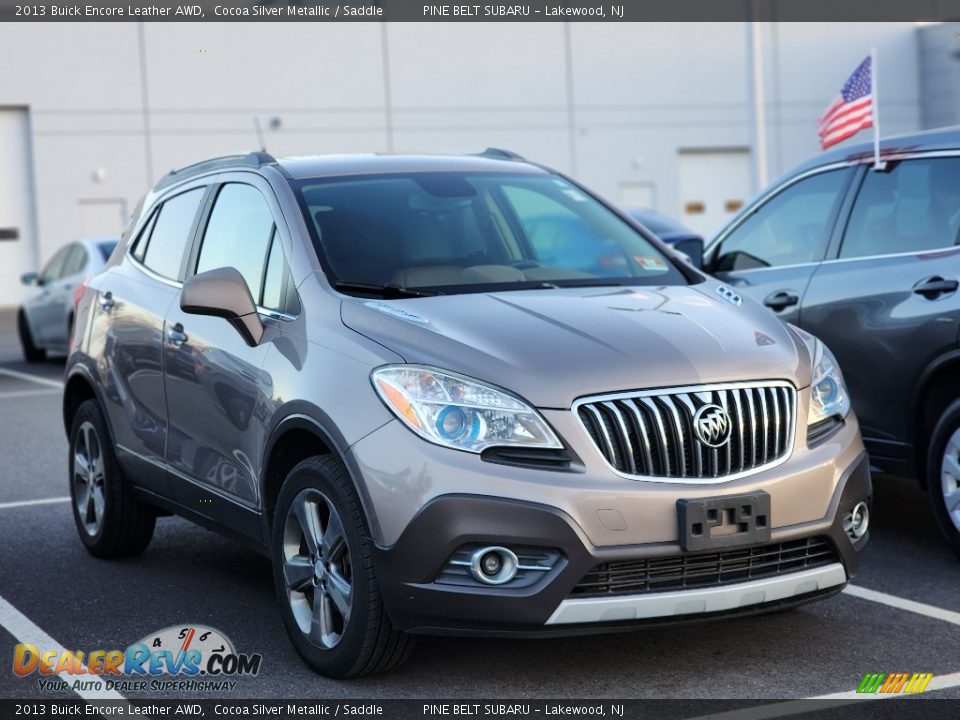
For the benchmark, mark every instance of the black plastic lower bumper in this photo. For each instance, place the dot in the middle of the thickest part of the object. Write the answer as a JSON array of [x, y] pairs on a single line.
[[415, 602]]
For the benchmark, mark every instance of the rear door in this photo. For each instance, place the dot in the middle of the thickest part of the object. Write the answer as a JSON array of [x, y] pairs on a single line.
[[886, 302], [217, 392], [127, 333], [773, 249]]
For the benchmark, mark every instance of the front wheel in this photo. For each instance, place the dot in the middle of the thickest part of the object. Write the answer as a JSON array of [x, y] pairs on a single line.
[[324, 578], [943, 474]]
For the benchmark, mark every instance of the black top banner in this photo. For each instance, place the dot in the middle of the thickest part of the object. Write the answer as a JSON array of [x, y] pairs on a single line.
[[443, 11]]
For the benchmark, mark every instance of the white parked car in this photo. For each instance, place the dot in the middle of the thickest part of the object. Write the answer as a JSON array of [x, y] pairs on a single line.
[[45, 319]]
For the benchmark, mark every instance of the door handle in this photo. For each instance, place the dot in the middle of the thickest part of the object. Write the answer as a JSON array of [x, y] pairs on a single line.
[[781, 300], [106, 301], [176, 335], [934, 287]]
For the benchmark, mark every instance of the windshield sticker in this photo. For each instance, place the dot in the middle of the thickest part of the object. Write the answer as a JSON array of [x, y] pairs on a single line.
[[650, 262]]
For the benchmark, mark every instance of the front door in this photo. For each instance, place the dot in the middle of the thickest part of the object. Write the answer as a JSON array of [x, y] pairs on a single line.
[[217, 392], [772, 252]]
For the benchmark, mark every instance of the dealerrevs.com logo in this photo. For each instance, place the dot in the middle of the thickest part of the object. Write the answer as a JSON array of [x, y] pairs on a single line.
[[177, 658]]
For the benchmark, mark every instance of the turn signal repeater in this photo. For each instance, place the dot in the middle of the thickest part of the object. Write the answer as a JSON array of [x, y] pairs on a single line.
[[857, 521]]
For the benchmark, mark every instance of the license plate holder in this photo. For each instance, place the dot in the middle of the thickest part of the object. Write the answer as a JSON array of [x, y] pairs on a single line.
[[724, 521]]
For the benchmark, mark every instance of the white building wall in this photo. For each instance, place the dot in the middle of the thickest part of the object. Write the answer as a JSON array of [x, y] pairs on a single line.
[[612, 103]]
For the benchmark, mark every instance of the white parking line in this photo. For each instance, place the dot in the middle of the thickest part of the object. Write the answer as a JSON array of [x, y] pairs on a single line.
[[25, 631], [28, 393], [28, 503], [930, 611], [31, 378]]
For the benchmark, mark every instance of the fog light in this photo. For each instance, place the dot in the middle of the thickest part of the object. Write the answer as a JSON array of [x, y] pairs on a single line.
[[856, 523], [493, 565]]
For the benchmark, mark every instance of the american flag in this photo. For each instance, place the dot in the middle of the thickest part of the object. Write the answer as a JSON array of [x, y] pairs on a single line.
[[852, 110]]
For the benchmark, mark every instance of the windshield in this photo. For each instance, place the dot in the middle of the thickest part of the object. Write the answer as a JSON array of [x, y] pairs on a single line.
[[453, 233]]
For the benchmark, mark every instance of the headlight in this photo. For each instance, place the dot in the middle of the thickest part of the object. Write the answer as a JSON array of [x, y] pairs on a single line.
[[828, 393], [458, 412]]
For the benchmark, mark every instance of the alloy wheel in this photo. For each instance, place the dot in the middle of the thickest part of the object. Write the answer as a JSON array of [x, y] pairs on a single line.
[[317, 570], [950, 478], [88, 479]]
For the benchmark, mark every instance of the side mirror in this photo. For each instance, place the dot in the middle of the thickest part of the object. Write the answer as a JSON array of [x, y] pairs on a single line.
[[693, 249], [30, 278], [224, 293]]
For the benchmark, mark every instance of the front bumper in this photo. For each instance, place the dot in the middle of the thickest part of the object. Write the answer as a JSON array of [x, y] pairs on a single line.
[[407, 571]]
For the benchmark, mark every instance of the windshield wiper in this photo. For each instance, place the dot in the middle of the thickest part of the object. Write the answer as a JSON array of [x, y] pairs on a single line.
[[390, 290]]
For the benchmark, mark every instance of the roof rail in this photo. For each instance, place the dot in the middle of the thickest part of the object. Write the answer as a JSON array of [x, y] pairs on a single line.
[[500, 154], [254, 159]]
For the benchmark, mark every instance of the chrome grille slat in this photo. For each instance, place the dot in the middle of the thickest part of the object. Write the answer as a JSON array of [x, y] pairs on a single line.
[[629, 457], [637, 414], [651, 434], [679, 434], [661, 434]]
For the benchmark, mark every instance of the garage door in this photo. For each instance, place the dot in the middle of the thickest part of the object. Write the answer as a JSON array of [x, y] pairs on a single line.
[[714, 184], [18, 241]]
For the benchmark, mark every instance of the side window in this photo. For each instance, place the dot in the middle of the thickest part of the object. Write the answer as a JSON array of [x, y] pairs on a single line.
[[140, 244], [915, 206], [53, 270], [791, 228], [171, 233], [238, 234], [278, 291]]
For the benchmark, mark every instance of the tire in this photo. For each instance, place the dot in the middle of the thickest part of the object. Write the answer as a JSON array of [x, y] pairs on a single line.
[[31, 353], [111, 522], [334, 615], [943, 474]]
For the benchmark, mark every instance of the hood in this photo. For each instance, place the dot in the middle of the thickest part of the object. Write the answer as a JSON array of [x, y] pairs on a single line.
[[552, 346]]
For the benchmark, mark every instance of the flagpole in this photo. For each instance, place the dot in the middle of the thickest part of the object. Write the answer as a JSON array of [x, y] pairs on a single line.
[[874, 76]]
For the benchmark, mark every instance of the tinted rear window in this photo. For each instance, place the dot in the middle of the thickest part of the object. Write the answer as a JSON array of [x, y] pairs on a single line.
[[171, 233]]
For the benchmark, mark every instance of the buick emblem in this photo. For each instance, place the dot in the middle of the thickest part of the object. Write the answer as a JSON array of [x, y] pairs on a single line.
[[711, 425]]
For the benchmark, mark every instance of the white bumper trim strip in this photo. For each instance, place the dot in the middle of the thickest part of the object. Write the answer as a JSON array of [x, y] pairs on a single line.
[[691, 602]]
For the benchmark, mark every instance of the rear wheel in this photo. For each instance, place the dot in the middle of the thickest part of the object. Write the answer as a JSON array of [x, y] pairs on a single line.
[[110, 520], [31, 353], [324, 577], [943, 474]]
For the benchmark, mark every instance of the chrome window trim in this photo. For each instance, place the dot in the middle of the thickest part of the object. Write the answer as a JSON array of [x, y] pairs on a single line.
[[266, 312], [642, 394], [152, 273]]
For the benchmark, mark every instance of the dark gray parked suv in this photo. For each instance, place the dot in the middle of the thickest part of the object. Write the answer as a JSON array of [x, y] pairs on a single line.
[[869, 262], [454, 394]]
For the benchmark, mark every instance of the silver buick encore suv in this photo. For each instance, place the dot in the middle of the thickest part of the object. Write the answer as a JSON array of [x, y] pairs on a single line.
[[453, 395]]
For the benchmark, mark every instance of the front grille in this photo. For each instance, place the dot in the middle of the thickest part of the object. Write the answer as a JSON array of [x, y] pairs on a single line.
[[652, 434], [634, 577]]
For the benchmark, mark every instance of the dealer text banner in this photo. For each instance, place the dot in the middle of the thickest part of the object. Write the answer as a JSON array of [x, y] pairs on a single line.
[[419, 11]]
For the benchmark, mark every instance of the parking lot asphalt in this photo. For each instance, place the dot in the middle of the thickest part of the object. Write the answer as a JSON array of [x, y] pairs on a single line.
[[191, 576]]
